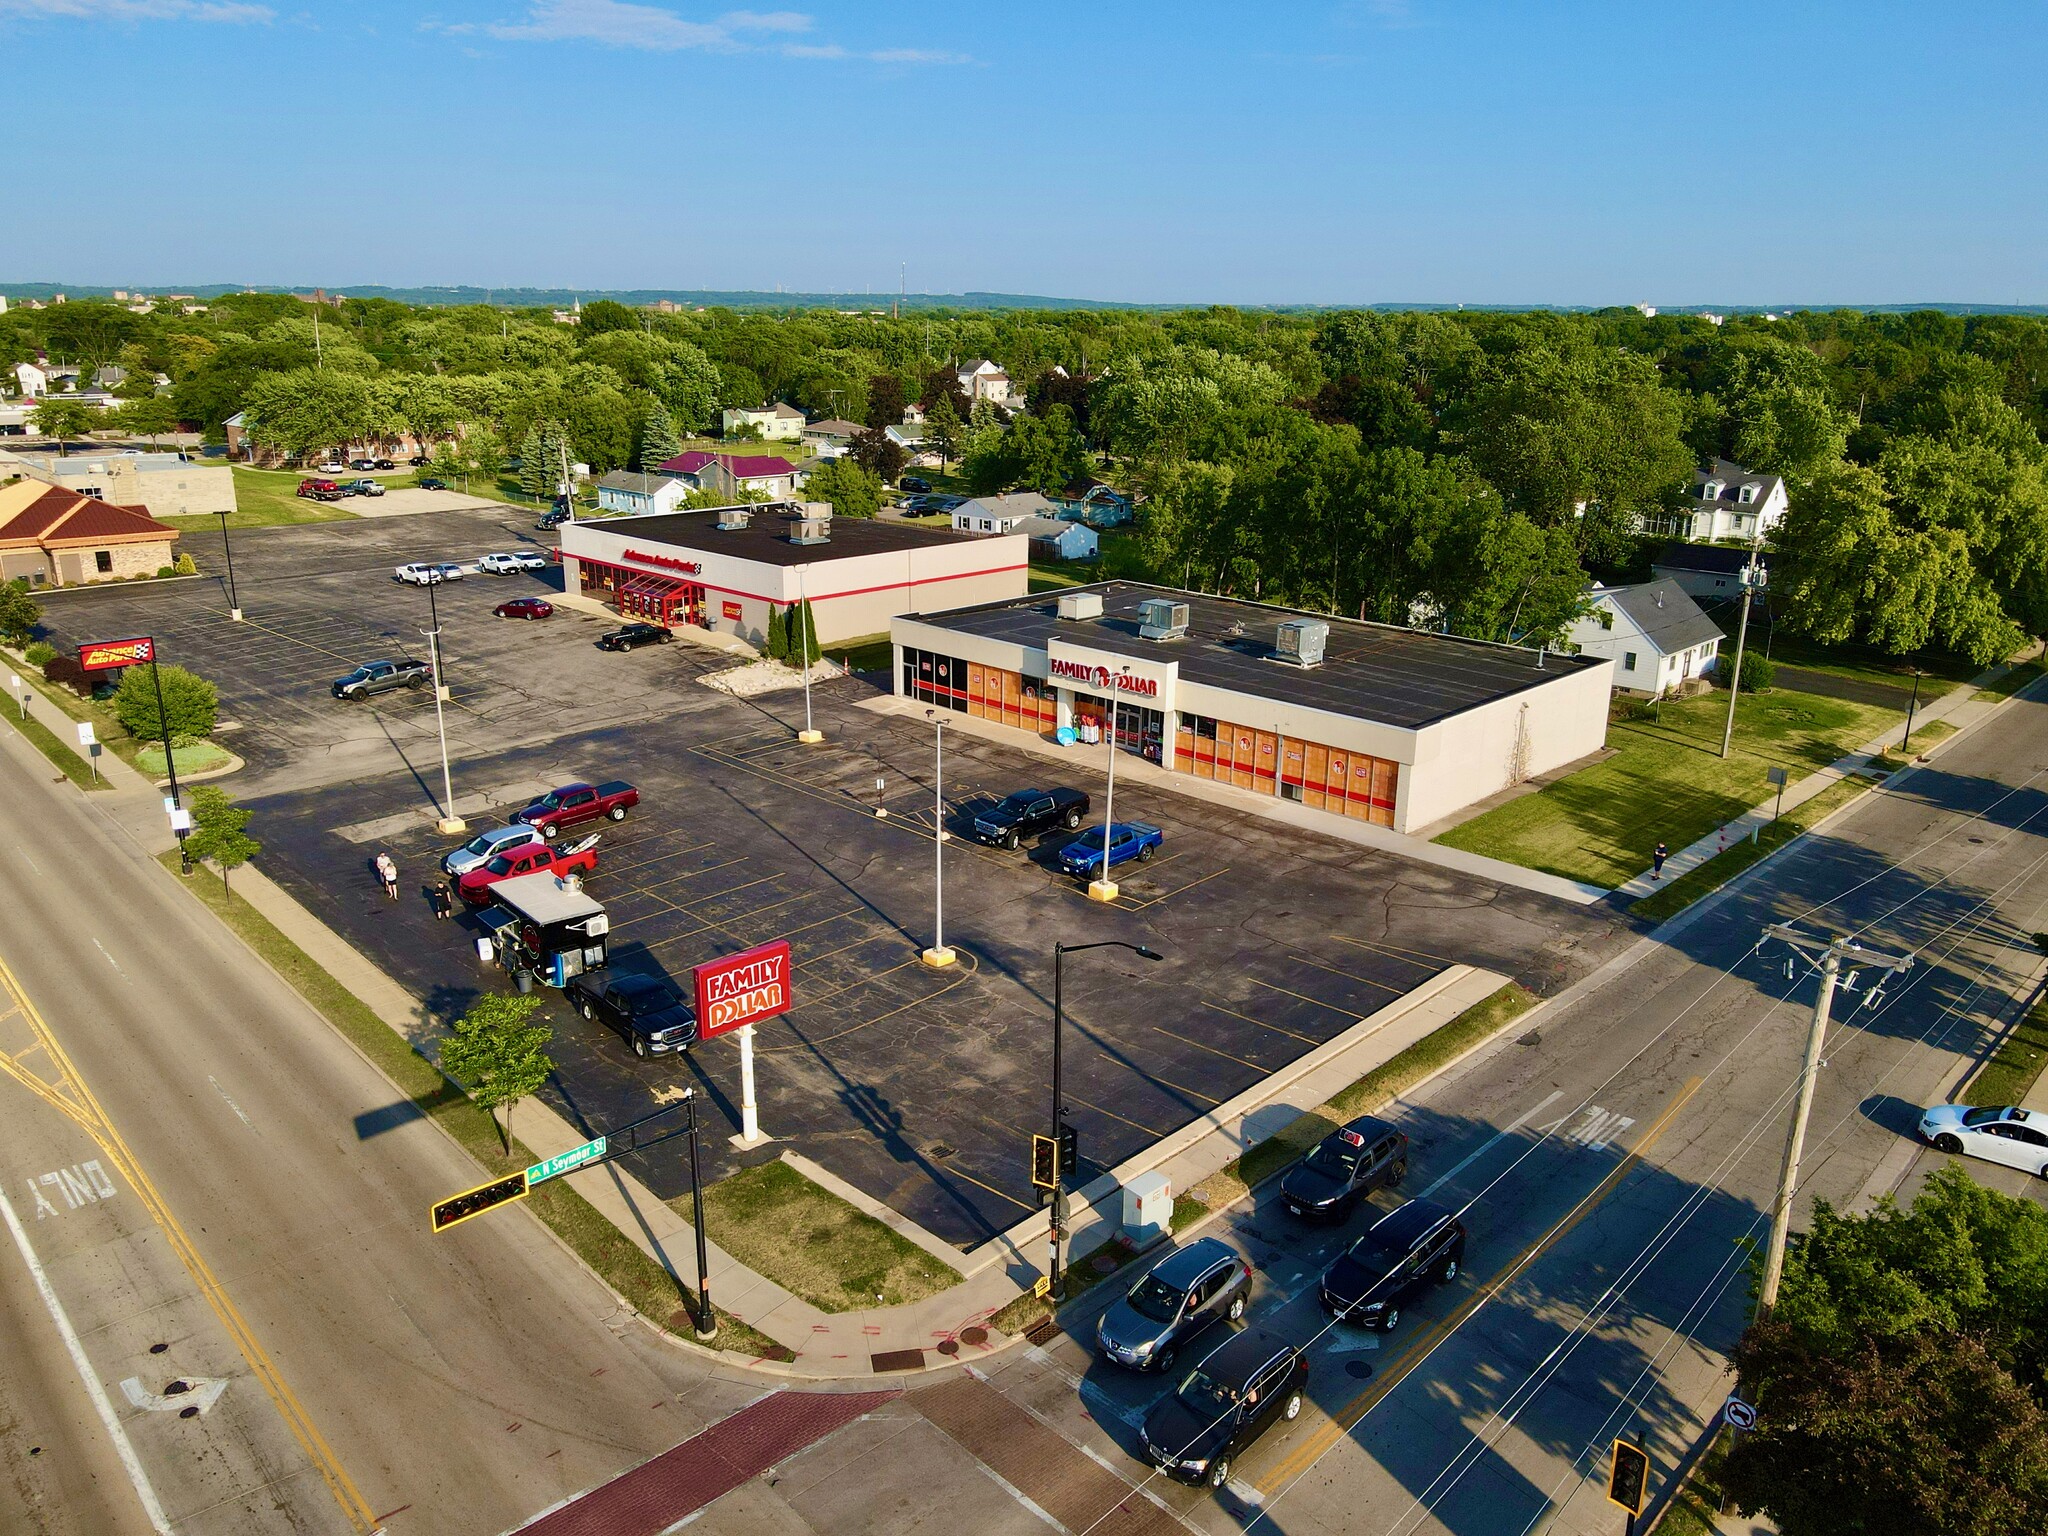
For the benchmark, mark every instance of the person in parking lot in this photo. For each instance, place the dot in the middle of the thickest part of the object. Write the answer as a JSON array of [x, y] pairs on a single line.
[[443, 899], [387, 871]]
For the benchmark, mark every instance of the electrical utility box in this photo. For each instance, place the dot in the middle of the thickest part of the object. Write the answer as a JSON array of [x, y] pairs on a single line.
[[1148, 1208]]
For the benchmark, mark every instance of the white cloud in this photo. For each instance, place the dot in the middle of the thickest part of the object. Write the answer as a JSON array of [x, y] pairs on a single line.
[[766, 21], [626, 24], [232, 11]]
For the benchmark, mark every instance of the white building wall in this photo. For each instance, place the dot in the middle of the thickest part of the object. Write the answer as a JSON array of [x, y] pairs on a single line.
[[1481, 751]]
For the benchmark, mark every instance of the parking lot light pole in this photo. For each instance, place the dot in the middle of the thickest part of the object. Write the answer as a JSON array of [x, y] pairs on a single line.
[[809, 735], [938, 955], [450, 823], [1102, 888], [707, 1322], [234, 600], [1057, 1230]]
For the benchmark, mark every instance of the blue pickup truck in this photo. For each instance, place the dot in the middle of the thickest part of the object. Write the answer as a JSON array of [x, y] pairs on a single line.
[[1127, 840]]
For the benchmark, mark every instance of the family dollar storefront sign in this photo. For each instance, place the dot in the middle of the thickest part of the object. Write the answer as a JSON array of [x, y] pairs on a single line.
[[736, 993]]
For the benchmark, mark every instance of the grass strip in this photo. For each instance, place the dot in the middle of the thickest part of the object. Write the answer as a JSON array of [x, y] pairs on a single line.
[[623, 1265], [2010, 684], [2014, 1066], [112, 733], [1921, 739], [47, 742], [1081, 1276], [1704, 879], [814, 1244]]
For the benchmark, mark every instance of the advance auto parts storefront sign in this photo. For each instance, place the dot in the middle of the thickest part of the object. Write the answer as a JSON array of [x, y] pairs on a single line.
[[742, 989], [1105, 673]]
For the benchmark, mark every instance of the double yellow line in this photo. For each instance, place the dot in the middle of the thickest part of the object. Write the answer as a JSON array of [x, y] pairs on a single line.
[[1341, 1423], [75, 1099]]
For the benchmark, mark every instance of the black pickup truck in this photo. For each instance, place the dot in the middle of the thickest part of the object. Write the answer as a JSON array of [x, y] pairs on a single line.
[[1016, 817], [647, 1010]]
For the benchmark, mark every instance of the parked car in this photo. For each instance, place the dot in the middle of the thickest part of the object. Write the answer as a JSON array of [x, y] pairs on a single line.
[[1028, 812], [647, 1010], [313, 487], [1344, 1167], [362, 463], [917, 505], [2004, 1134], [381, 677], [1127, 840], [916, 483], [362, 487], [331, 468], [487, 845], [507, 563], [417, 461], [474, 887], [574, 804], [1242, 1388], [628, 636], [554, 517], [382, 464], [525, 608], [1411, 1247], [1178, 1297], [427, 573], [429, 483]]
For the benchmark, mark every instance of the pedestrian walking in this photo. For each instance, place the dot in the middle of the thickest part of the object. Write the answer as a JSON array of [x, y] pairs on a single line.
[[1657, 863], [387, 871], [444, 901]]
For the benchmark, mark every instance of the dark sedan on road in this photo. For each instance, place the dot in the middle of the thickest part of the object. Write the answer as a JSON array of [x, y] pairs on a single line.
[[631, 636], [525, 608], [1180, 1296], [1404, 1251], [1242, 1388], [1345, 1166]]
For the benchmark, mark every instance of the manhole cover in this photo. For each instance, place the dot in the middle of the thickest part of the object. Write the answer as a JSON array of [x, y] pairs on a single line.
[[1358, 1370], [948, 1346], [975, 1335], [1102, 1264], [1533, 1037]]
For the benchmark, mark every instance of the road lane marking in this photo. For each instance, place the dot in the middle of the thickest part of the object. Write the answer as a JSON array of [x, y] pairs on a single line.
[[200, 1392], [1491, 1142], [130, 1462], [96, 944], [1341, 1423], [230, 1102]]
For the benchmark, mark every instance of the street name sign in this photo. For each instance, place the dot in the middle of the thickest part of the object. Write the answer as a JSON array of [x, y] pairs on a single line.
[[565, 1162]]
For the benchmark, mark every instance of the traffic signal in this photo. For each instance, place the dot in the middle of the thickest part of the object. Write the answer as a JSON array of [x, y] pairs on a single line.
[[474, 1202], [1070, 1151], [1044, 1173], [1628, 1477]]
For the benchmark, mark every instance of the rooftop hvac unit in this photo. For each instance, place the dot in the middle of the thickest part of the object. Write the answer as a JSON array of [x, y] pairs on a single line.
[[1161, 618], [1301, 642], [810, 530], [735, 517], [1080, 605]]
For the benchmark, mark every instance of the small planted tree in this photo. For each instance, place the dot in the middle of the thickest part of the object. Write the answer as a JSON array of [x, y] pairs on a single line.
[[499, 1053], [533, 473], [19, 612], [801, 633], [190, 704], [852, 490], [659, 441], [218, 834]]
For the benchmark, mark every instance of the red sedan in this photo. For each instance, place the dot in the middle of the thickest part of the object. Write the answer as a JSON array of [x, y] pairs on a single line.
[[525, 608]]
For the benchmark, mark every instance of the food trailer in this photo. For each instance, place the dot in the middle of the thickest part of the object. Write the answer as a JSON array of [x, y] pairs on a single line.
[[543, 926]]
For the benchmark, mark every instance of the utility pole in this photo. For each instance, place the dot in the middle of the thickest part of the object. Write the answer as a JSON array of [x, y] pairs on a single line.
[[1832, 953], [1754, 579], [1912, 705]]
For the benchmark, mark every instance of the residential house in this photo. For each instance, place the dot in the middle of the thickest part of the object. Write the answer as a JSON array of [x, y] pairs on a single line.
[[630, 493], [1706, 573], [1001, 514], [1055, 538], [1656, 636], [830, 439], [1088, 500], [778, 423], [730, 473], [1730, 502], [34, 382], [981, 379], [50, 536], [910, 438], [161, 484]]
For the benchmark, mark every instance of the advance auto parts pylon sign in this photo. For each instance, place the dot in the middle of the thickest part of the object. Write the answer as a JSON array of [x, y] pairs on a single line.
[[742, 989]]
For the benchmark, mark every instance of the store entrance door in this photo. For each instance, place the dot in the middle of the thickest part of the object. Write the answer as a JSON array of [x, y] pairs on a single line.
[[1138, 729]]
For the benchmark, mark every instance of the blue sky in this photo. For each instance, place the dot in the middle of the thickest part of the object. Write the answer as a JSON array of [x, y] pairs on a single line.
[[1378, 150]]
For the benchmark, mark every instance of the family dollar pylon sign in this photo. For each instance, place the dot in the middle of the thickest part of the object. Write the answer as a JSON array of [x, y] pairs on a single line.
[[736, 993]]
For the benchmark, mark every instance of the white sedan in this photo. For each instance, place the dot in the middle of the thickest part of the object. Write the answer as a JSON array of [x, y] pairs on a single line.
[[503, 564], [427, 573], [2017, 1138]]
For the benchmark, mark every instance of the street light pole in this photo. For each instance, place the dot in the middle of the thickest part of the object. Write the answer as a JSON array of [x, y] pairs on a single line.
[[234, 601], [707, 1323], [1102, 888], [170, 765], [1753, 578], [1057, 1223], [809, 734], [449, 823], [1911, 705], [938, 955]]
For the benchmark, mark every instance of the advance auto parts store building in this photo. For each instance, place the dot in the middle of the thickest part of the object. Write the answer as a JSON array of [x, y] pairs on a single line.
[[728, 568], [1395, 727]]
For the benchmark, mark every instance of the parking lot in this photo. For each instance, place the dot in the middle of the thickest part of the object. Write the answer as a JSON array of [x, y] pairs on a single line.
[[922, 1087]]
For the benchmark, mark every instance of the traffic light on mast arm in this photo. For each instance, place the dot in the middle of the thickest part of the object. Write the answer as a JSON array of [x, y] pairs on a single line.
[[474, 1202]]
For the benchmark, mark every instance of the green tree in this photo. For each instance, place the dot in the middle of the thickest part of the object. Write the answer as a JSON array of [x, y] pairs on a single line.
[[942, 430], [190, 703], [659, 440], [800, 633], [885, 401], [777, 638], [150, 415], [20, 613], [852, 490], [601, 315], [535, 473], [499, 1053], [65, 419], [218, 834]]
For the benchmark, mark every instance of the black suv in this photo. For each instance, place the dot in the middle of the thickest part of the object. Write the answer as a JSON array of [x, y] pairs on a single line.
[[1029, 811], [554, 517], [647, 1010], [1348, 1163], [381, 677], [1241, 1389], [627, 636], [1405, 1250], [1182, 1294]]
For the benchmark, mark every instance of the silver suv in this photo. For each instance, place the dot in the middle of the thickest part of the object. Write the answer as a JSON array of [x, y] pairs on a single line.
[[1182, 1294]]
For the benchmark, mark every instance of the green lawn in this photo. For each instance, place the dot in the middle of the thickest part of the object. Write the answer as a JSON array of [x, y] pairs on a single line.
[[2008, 685], [1703, 879], [1667, 782], [1865, 664], [870, 653], [47, 742], [2013, 1068], [193, 757], [264, 499]]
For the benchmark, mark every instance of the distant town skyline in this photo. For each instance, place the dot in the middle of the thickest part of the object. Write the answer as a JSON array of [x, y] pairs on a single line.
[[1377, 151]]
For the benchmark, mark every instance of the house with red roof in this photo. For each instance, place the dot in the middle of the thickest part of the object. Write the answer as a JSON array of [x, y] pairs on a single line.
[[52, 536], [730, 473]]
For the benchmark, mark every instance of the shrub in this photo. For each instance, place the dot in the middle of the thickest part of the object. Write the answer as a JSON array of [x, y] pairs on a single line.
[[1757, 672], [40, 654], [185, 565], [189, 702], [19, 612], [67, 673], [165, 570]]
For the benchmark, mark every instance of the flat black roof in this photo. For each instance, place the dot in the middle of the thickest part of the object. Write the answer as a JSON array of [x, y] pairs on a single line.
[[1401, 677], [766, 537]]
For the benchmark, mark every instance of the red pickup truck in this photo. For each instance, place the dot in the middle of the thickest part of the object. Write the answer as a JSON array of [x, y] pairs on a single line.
[[526, 859], [574, 804]]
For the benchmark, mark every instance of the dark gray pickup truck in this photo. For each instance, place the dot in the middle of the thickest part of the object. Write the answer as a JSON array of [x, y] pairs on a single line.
[[1027, 813], [381, 677]]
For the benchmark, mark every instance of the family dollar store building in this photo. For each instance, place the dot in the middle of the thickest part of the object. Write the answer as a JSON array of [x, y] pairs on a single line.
[[729, 568], [1396, 727]]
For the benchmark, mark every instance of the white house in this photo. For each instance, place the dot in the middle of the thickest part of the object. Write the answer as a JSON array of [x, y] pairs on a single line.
[[778, 422], [629, 493], [1730, 502], [1001, 514], [1655, 635], [981, 379], [34, 382], [1054, 539], [830, 439]]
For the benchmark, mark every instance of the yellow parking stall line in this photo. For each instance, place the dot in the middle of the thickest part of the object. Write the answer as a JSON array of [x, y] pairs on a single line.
[[615, 868], [961, 1173], [812, 999], [1335, 970], [1184, 1040], [1277, 1029], [674, 937], [1303, 996], [762, 911], [1193, 1093], [1391, 949], [694, 873], [1152, 901], [878, 934], [966, 967], [1149, 1130]]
